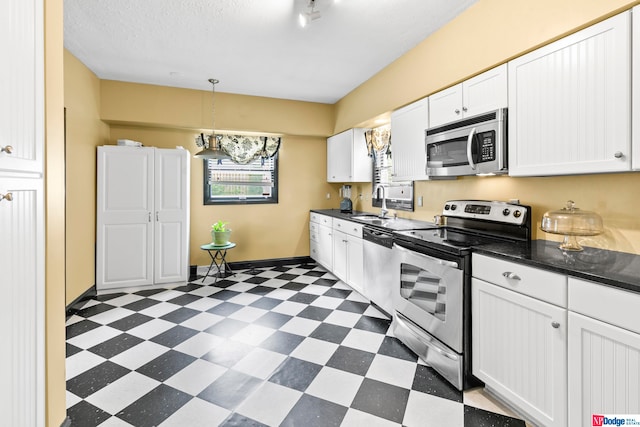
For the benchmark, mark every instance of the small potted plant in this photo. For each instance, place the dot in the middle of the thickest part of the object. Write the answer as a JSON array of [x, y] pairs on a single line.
[[220, 233]]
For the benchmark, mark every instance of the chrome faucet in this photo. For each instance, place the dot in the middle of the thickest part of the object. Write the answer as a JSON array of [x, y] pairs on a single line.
[[383, 208]]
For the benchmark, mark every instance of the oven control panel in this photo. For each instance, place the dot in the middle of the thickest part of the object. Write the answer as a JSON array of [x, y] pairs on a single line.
[[507, 213]]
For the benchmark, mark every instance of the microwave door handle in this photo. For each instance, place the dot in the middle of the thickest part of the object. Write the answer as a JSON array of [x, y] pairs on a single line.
[[469, 151]]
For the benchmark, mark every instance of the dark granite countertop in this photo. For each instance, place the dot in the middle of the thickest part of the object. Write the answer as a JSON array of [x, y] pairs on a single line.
[[390, 223], [618, 269]]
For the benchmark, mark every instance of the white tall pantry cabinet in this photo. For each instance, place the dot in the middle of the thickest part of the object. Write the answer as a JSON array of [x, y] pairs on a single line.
[[142, 232], [22, 308]]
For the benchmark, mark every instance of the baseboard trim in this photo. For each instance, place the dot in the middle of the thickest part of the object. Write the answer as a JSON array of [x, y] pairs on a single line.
[[66, 422], [241, 265], [77, 303]]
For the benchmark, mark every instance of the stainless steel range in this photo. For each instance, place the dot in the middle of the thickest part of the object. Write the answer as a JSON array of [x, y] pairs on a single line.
[[432, 281]]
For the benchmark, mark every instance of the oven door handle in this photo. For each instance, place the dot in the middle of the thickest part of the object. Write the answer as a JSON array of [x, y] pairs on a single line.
[[442, 262], [469, 148]]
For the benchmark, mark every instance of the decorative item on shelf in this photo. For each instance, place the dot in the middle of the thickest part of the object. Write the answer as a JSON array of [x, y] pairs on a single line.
[[571, 222], [220, 233]]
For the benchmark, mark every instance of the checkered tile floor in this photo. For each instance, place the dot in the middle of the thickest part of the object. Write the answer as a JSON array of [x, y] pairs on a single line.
[[282, 346]]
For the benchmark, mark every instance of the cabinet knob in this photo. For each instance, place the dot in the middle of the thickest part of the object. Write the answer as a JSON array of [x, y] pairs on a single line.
[[6, 149], [556, 325], [8, 197], [457, 111], [618, 155], [465, 109], [511, 275]]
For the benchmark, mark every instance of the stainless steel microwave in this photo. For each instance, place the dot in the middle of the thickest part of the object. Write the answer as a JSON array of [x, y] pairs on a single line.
[[472, 146]]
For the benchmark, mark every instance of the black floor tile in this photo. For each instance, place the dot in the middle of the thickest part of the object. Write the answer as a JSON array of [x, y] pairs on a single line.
[[71, 350], [384, 400], [474, 417], [230, 389], [286, 276], [94, 309], [225, 309], [303, 298], [80, 328], [225, 295], [393, 347], [315, 313], [227, 354], [184, 299], [295, 373], [260, 290], [427, 380], [180, 315], [256, 280], [166, 365], [373, 324], [338, 293], [94, 379], [189, 287], [353, 306], [328, 332], [282, 342], [154, 407], [325, 282], [226, 328], [311, 411], [272, 320], [237, 420], [294, 286], [224, 283], [85, 414], [107, 297], [314, 273], [174, 336], [115, 345], [149, 292], [282, 268], [351, 360], [141, 304], [130, 321], [266, 303]]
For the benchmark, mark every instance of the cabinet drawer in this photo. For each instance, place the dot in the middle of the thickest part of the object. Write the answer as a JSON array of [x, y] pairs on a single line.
[[314, 251], [618, 307], [541, 284], [313, 232], [320, 219], [348, 227]]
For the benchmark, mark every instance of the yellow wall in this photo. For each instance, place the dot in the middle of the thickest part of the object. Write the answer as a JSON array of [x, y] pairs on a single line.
[[54, 216], [487, 34], [85, 131]]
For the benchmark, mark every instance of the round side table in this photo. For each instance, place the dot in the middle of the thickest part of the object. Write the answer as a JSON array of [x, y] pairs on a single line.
[[218, 254]]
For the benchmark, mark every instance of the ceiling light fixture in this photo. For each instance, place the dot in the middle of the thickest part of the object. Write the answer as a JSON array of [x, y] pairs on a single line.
[[211, 143], [311, 15]]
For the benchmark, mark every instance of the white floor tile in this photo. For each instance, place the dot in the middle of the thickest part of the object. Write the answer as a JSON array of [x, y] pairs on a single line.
[[300, 326], [200, 344], [275, 283], [327, 302], [269, 404], [283, 294], [204, 291], [166, 295], [343, 318], [260, 363], [159, 309], [74, 319], [197, 413], [241, 287], [305, 279], [245, 298], [111, 315], [363, 340], [196, 377], [202, 321], [426, 410], [270, 274], [316, 351], [94, 336], [253, 334], [204, 304], [289, 307], [359, 418], [120, 393], [139, 355], [354, 296], [115, 422], [72, 399], [80, 362], [392, 371], [124, 300], [248, 314], [151, 328], [324, 386], [374, 312], [315, 289]]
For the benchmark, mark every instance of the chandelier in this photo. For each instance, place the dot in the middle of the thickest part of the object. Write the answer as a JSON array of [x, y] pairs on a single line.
[[210, 144]]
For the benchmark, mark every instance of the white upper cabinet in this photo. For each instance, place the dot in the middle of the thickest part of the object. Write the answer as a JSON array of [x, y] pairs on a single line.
[[477, 95], [570, 103], [407, 129], [347, 159], [635, 67]]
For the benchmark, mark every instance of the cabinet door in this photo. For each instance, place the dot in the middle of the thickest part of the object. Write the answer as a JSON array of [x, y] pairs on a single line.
[[355, 263], [171, 215], [408, 126], [124, 252], [445, 106], [325, 247], [485, 92], [22, 304], [635, 85], [519, 350], [604, 370], [569, 104], [340, 255], [339, 157]]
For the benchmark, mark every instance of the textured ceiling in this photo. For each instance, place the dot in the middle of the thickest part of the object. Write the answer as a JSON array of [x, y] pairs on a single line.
[[254, 47]]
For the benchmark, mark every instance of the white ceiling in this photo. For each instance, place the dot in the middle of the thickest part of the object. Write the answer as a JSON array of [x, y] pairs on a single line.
[[254, 47]]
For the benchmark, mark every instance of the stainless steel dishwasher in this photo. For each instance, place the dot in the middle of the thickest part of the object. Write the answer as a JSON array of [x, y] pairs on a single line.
[[378, 268]]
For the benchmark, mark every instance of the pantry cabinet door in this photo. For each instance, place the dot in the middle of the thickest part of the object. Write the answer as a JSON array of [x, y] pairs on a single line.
[[570, 103]]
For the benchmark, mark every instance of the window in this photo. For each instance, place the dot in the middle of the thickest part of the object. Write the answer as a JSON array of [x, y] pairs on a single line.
[[227, 182]]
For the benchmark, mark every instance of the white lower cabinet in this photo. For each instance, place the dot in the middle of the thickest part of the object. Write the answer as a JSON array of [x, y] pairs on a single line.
[[348, 254], [604, 352], [321, 240], [520, 352]]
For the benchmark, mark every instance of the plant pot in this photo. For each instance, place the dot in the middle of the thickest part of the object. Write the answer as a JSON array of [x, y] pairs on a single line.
[[220, 237]]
